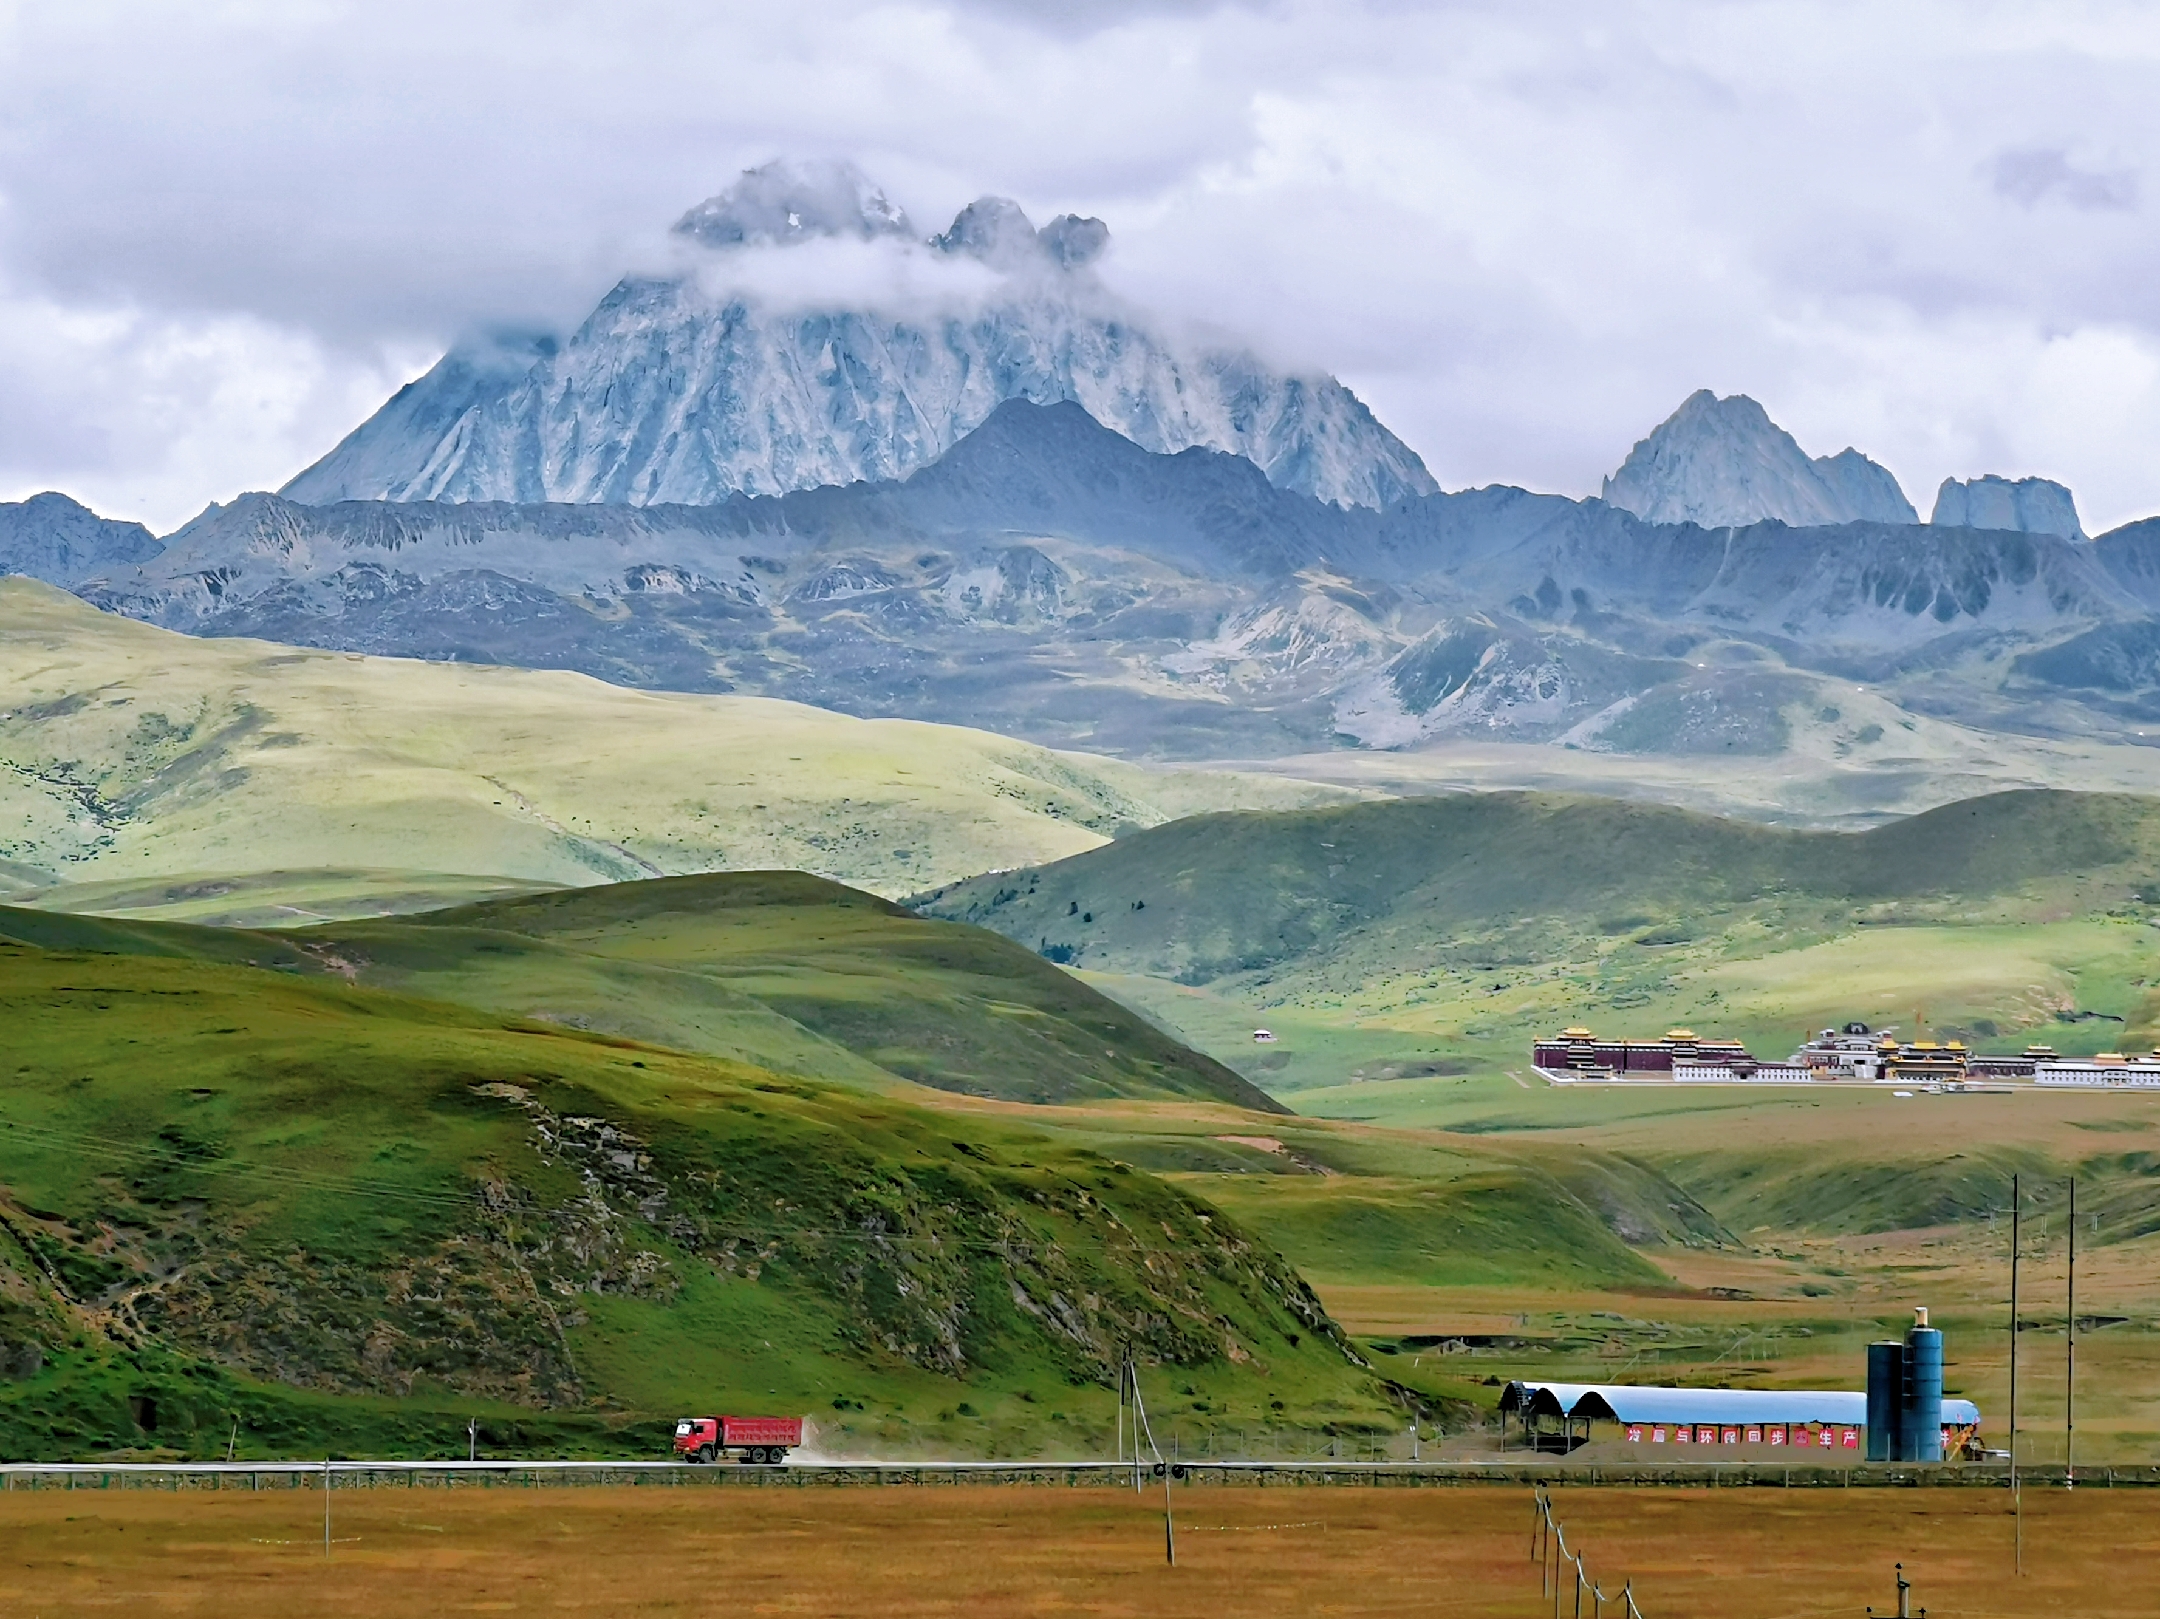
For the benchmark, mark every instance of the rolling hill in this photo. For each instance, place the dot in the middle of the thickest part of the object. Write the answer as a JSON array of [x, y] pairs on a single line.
[[243, 1201], [1406, 939], [1216, 895], [777, 969], [131, 756]]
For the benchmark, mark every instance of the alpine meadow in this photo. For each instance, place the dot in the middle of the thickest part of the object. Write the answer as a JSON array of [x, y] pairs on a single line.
[[996, 777]]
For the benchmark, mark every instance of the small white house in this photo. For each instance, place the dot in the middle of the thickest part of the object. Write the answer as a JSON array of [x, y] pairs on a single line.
[[1263, 1037]]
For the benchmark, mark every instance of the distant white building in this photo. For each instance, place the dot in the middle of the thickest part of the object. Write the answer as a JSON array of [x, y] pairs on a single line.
[[2108, 1071]]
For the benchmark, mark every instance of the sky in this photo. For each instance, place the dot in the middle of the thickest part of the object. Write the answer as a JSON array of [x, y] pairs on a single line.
[[1521, 230]]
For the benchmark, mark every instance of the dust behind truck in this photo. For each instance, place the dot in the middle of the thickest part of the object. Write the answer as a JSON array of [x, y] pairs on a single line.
[[756, 1440]]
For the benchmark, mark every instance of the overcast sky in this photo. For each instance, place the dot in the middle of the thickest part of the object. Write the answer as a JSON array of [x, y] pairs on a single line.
[[1522, 231]]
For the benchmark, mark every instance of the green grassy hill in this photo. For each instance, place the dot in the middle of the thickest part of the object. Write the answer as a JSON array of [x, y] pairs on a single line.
[[339, 1218], [1214, 895], [136, 757], [1390, 940], [779, 969]]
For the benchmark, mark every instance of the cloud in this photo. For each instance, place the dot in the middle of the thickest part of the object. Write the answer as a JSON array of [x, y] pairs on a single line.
[[140, 412], [2035, 174], [898, 279], [1079, 18], [1523, 232]]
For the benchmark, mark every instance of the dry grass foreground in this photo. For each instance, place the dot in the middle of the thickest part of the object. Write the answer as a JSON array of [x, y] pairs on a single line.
[[995, 1551]]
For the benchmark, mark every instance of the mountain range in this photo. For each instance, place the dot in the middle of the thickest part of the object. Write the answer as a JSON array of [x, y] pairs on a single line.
[[1723, 463], [824, 457], [1051, 579]]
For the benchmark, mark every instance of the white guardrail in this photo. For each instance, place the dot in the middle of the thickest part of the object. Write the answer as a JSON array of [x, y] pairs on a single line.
[[1527, 1468]]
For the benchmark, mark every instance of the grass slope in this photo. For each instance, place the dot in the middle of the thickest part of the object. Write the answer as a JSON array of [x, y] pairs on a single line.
[[348, 1219], [133, 754], [786, 971], [1399, 940]]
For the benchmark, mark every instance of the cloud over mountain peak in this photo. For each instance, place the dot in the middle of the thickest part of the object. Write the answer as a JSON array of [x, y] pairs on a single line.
[[790, 200], [812, 337]]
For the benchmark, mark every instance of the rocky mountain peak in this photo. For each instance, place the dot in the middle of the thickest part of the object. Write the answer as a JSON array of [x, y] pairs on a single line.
[[1725, 463], [2021, 505], [788, 201], [63, 542], [997, 231], [692, 388]]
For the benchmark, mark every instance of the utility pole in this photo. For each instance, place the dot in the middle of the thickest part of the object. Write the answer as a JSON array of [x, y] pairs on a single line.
[[2070, 1355], [2017, 1501], [1142, 1425], [326, 1506], [1132, 1391], [472, 1440]]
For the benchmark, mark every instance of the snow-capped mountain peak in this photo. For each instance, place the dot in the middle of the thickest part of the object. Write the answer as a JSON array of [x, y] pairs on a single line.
[[787, 201], [1725, 463], [740, 376]]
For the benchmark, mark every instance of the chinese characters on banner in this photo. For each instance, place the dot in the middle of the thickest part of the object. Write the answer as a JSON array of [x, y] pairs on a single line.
[[1825, 1437]]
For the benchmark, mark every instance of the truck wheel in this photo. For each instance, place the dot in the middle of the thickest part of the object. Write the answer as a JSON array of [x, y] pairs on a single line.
[[705, 1454]]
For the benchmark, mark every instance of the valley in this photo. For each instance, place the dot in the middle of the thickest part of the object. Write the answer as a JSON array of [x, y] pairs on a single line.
[[522, 1131], [1090, 810], [194, 1104], [948, 853], [1444, 933]]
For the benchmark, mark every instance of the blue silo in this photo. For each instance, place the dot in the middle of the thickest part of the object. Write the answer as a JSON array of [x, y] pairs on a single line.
[[1921, 1417], [1885, 1401]]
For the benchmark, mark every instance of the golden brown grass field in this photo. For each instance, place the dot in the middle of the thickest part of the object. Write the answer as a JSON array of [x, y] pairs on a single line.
[[1736, 1554]]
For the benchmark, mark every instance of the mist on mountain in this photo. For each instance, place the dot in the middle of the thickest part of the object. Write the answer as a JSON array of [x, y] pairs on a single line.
[[807, 336]]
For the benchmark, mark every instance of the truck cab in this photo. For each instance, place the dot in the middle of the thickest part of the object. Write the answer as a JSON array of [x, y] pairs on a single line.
[[697, 1439]]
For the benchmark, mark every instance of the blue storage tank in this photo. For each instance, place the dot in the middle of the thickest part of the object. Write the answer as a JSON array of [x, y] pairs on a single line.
[[1885, 1400], [1922, 1424]]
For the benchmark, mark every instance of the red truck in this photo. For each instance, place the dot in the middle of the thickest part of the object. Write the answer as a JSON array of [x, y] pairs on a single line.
[[750, 1439]]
